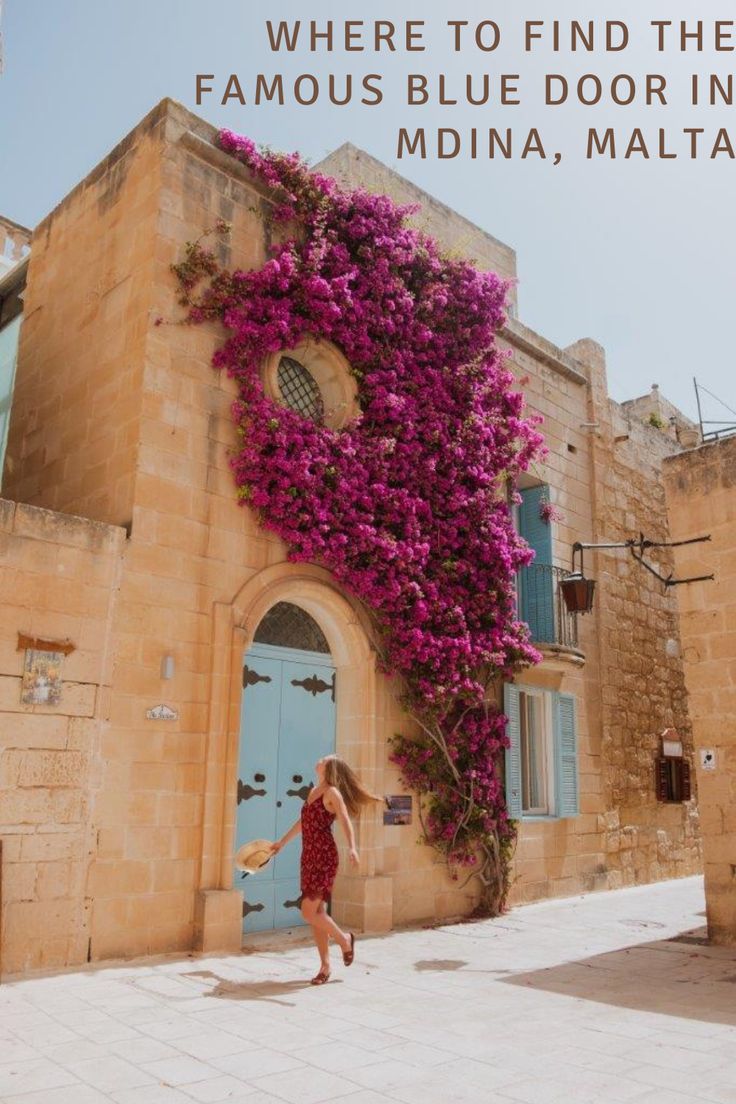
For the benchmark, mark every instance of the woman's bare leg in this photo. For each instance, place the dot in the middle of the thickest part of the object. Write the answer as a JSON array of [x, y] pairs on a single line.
[[310, 910], [314, 913], [322, 939]]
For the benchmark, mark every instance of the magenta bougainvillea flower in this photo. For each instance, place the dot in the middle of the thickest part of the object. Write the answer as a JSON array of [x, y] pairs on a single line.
[[548, 512], [408, 504]]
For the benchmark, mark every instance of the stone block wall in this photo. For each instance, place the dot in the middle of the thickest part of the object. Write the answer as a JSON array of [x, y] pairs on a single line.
[[561, 857], [73, 439], [655, 409], [192, 546], [642, 686], [701, 499], [58, 580]]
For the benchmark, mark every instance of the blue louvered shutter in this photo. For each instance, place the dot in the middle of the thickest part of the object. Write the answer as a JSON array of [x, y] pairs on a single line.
[[536, 592], [513, 753], [566, 756]]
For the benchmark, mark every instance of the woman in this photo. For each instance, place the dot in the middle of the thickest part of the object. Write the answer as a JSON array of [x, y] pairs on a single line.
[[337, 795]]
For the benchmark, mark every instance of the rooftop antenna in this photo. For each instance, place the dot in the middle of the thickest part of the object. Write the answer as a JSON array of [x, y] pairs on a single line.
[[722, 428]]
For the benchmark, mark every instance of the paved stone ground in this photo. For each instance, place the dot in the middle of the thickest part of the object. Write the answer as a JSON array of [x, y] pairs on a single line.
[[596, 998]]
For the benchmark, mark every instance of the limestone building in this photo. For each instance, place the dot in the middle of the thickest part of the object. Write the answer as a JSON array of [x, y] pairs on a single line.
[[701, 497], [195, 675]]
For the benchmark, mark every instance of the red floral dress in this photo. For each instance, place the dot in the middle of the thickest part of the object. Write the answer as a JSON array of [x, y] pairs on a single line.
[[319, 851]]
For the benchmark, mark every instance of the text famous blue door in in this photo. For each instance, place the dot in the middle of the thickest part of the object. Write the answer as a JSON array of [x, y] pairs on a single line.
[[287, 723]]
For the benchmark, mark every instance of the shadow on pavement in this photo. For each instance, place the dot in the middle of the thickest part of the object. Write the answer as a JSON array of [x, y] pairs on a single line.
[[439, 964], [269, 991], [683, 976]]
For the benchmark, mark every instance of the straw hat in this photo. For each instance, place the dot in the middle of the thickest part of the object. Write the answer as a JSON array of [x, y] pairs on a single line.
[[252, 856]]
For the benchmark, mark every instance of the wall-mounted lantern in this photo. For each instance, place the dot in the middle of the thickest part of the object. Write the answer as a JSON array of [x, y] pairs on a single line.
[[577, 591]]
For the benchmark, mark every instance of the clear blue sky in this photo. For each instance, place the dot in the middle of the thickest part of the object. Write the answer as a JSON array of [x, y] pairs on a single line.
[[638, 255]]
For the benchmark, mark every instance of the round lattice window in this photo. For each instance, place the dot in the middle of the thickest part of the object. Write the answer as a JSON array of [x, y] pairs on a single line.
[[299, 389], [314, 379]]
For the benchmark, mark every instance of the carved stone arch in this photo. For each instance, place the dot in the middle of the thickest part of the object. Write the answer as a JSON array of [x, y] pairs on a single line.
[[361, 899], [314, 590]]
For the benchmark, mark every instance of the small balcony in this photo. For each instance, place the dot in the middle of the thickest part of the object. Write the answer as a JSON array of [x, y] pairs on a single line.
[[542, 607]]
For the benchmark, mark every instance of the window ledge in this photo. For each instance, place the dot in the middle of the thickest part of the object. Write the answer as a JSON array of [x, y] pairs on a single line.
[[557, 654]]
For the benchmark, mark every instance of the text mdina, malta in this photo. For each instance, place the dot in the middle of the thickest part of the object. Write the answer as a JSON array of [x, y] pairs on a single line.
[[609, 142]]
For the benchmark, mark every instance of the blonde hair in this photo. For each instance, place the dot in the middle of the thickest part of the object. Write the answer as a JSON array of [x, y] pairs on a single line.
[[344, 778]]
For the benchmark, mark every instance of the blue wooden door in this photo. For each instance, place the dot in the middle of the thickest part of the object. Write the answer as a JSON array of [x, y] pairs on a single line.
[[287, 723]]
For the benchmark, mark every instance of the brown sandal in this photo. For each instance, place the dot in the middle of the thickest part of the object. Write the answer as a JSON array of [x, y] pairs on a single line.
[[321, 978], [348, 956]]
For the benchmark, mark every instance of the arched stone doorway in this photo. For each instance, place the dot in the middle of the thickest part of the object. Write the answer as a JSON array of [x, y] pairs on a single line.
[[361, 899]]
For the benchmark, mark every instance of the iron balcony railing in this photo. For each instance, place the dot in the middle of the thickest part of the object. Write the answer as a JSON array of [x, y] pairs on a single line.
[[541, 606]]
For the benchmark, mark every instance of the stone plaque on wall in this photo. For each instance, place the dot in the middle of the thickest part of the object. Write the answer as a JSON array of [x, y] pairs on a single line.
[[41, 678], [162, 713], [398, 809]]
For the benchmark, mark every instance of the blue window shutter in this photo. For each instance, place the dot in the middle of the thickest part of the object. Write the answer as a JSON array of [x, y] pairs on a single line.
[[513, 753], [535, 531], [536, 590], [566, 756]]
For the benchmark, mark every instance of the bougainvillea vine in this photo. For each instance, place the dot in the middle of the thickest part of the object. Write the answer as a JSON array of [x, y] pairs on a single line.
[[408, 504]]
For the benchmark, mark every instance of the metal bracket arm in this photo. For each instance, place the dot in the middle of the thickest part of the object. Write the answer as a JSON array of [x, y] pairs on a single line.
[[637, 546]]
